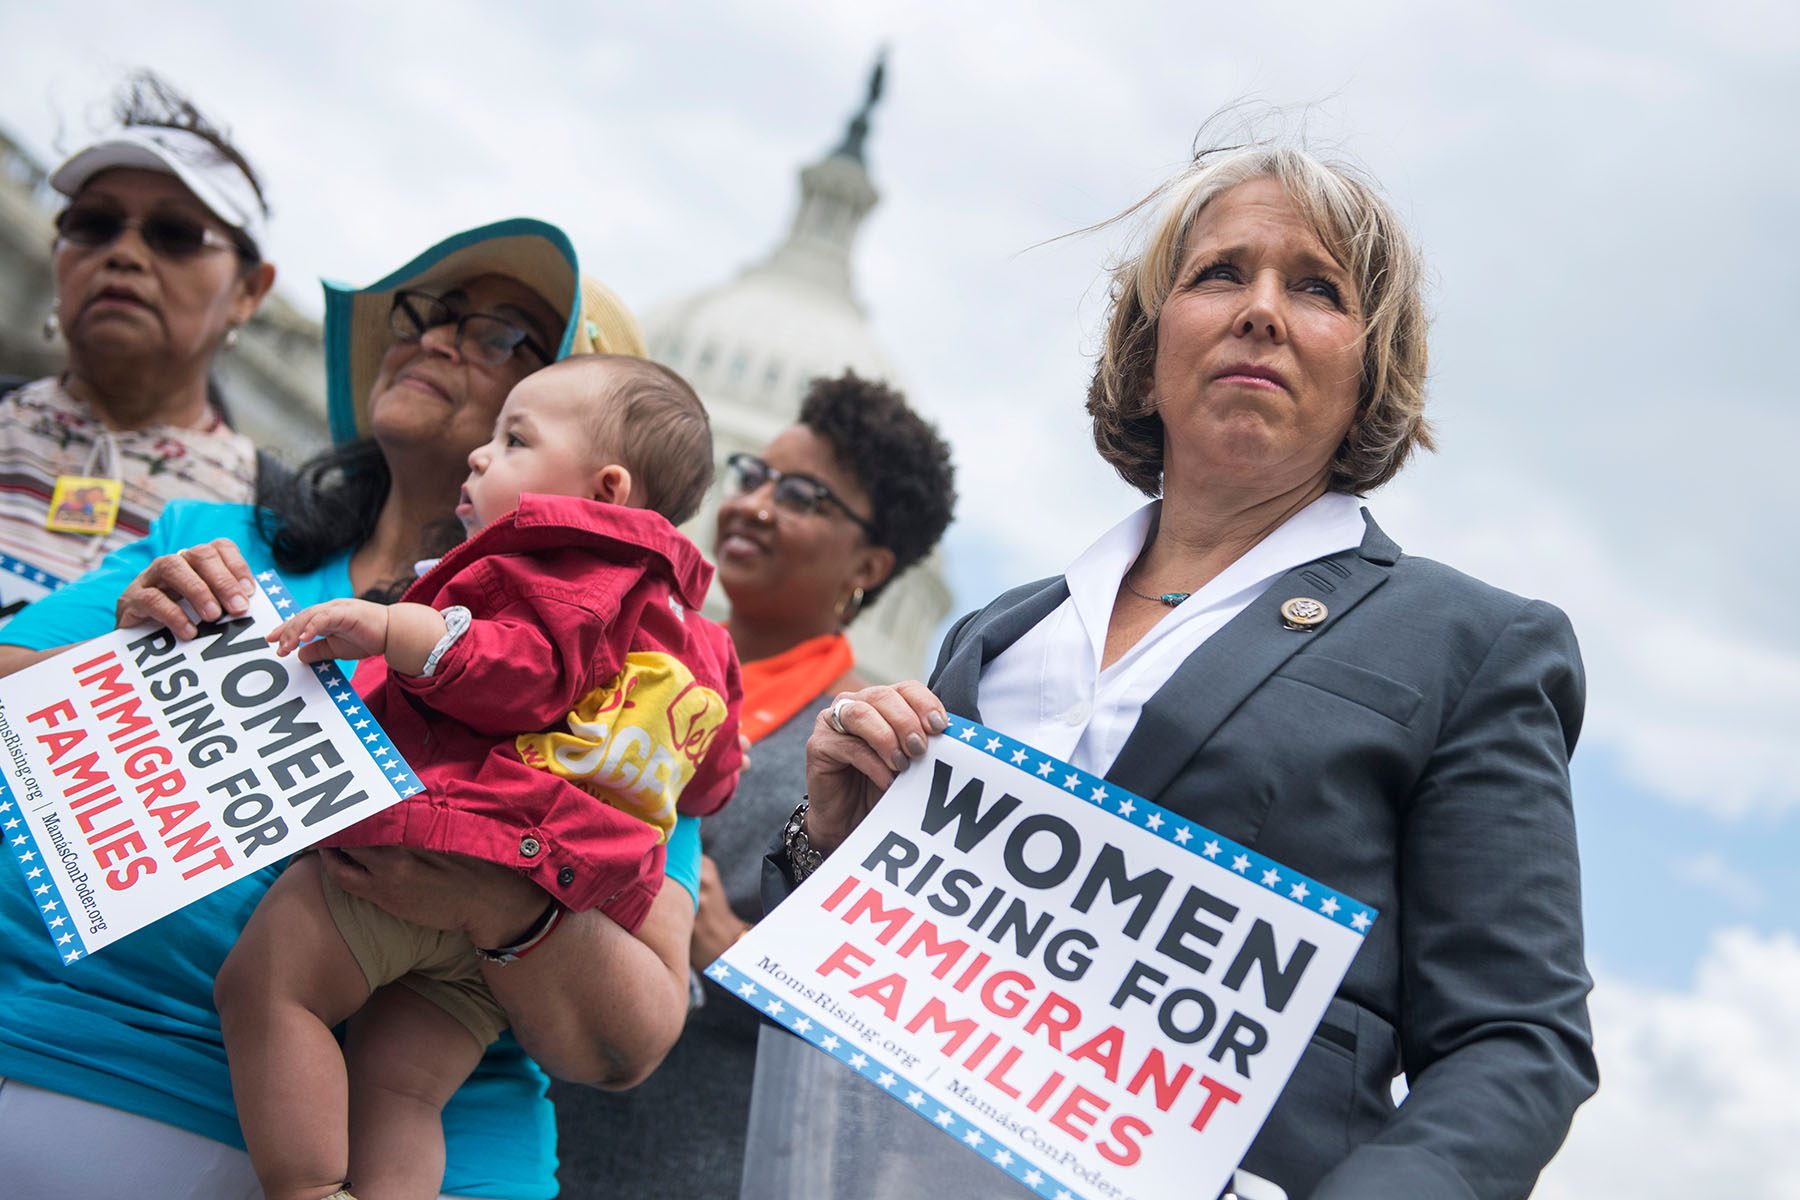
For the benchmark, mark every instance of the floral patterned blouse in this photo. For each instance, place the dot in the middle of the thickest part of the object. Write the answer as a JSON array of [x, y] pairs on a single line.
[[46, 433]]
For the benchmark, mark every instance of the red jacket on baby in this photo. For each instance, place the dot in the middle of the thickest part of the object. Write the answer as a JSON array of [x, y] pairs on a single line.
[[587, 703]]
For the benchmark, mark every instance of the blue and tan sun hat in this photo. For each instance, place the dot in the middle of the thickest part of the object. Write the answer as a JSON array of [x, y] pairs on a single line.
[[536, 253]]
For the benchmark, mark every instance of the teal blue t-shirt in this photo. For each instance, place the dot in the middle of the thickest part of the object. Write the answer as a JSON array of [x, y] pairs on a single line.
[[134, 1028]]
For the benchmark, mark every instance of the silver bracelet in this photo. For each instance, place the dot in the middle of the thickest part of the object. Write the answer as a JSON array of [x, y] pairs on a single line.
[[456, 623], [803, 860]]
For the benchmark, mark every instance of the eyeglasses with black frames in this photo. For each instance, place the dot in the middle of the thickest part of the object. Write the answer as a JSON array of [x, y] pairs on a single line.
[[480, 337], [170, 235], [799, 494]]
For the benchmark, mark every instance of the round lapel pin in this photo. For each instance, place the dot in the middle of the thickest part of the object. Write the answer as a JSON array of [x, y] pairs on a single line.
[[1303, 613]]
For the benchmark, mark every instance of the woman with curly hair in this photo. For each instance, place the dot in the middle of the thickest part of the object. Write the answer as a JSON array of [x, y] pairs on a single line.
[[810, 533]]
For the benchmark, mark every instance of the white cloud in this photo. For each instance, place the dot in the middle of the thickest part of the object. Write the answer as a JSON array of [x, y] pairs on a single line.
[[1697, 700], [1764, 30], [1715, 873], [1697, 1091]]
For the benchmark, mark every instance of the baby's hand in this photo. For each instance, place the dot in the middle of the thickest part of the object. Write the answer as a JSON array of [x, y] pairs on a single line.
[[334, 629]]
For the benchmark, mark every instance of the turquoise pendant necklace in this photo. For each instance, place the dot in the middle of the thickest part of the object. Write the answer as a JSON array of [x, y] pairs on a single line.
[[1169, 598]]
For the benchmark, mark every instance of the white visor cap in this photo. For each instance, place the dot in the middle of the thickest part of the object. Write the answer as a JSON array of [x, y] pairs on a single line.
[[215, 180]]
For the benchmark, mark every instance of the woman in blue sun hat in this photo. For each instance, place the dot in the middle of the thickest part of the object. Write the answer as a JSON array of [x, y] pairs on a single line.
[[125, 1048]]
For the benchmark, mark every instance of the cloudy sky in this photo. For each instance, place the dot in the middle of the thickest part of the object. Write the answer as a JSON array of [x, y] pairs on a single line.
[[1606, 193]]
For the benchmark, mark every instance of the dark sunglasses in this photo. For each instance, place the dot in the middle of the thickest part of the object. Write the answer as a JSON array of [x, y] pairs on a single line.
[[480, 337], [799, 494], [167, 234]]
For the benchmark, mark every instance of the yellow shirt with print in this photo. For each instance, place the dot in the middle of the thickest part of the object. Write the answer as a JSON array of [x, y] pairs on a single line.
[[637, 742]]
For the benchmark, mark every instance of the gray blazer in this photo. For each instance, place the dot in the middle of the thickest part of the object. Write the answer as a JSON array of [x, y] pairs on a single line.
[[1412, 751]]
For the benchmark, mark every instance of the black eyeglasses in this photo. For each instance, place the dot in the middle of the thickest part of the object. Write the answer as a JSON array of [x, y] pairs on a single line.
[[168, 234], [480, 337], [800, 494]]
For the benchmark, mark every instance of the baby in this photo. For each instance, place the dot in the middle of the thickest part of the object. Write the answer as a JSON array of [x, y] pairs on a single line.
[[559, 695]]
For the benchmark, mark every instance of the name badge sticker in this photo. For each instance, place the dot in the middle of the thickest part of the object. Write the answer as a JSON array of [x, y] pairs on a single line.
[[84, 504]]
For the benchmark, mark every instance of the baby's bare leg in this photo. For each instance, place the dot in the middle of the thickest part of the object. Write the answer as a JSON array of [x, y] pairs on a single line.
[[407, 1056], [289, 979]]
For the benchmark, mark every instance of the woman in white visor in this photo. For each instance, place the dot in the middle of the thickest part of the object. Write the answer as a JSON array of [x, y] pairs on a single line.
[[158, 261]]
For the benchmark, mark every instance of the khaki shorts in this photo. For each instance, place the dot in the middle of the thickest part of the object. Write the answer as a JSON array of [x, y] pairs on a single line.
[[438, 964]]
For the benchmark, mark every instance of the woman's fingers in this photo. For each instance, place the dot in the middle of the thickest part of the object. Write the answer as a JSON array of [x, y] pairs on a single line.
[[201, 576], [141, 603], [226, 576], [234, 561], [843, 769], [156, 595], [859, 744], [212, 578], [927, 709], [896, 721], [839, 752], [173, 578], [854, 716]]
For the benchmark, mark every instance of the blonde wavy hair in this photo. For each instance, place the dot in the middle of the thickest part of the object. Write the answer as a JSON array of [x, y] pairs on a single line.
[[1360, 230]]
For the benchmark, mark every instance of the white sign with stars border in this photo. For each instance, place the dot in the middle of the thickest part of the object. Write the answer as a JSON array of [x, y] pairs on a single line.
[[139, 774], [1094, 994]]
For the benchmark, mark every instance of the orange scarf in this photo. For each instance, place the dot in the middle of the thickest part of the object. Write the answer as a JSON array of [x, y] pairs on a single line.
[[777, 687]]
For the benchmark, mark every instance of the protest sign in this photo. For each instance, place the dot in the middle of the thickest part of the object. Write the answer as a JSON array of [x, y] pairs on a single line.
[[20, 584], [1099, 997], [142, 773]]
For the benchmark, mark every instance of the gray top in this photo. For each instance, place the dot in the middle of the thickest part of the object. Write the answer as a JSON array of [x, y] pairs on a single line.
[[680, 1135], [768, 790]]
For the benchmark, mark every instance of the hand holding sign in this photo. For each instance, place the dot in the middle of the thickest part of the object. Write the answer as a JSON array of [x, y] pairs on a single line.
[[143, 771], [212, 579], [1095, 994], [848, 768]]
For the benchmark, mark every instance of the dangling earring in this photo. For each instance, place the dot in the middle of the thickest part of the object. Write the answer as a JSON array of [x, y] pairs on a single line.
[[848, 607], [231, 335], [52, 325]]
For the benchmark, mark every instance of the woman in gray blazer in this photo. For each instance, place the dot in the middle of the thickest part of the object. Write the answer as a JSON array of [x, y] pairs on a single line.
[[1252, 652]]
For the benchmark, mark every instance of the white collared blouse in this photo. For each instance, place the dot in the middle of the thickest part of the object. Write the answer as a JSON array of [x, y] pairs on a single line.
[[1047, 688]]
